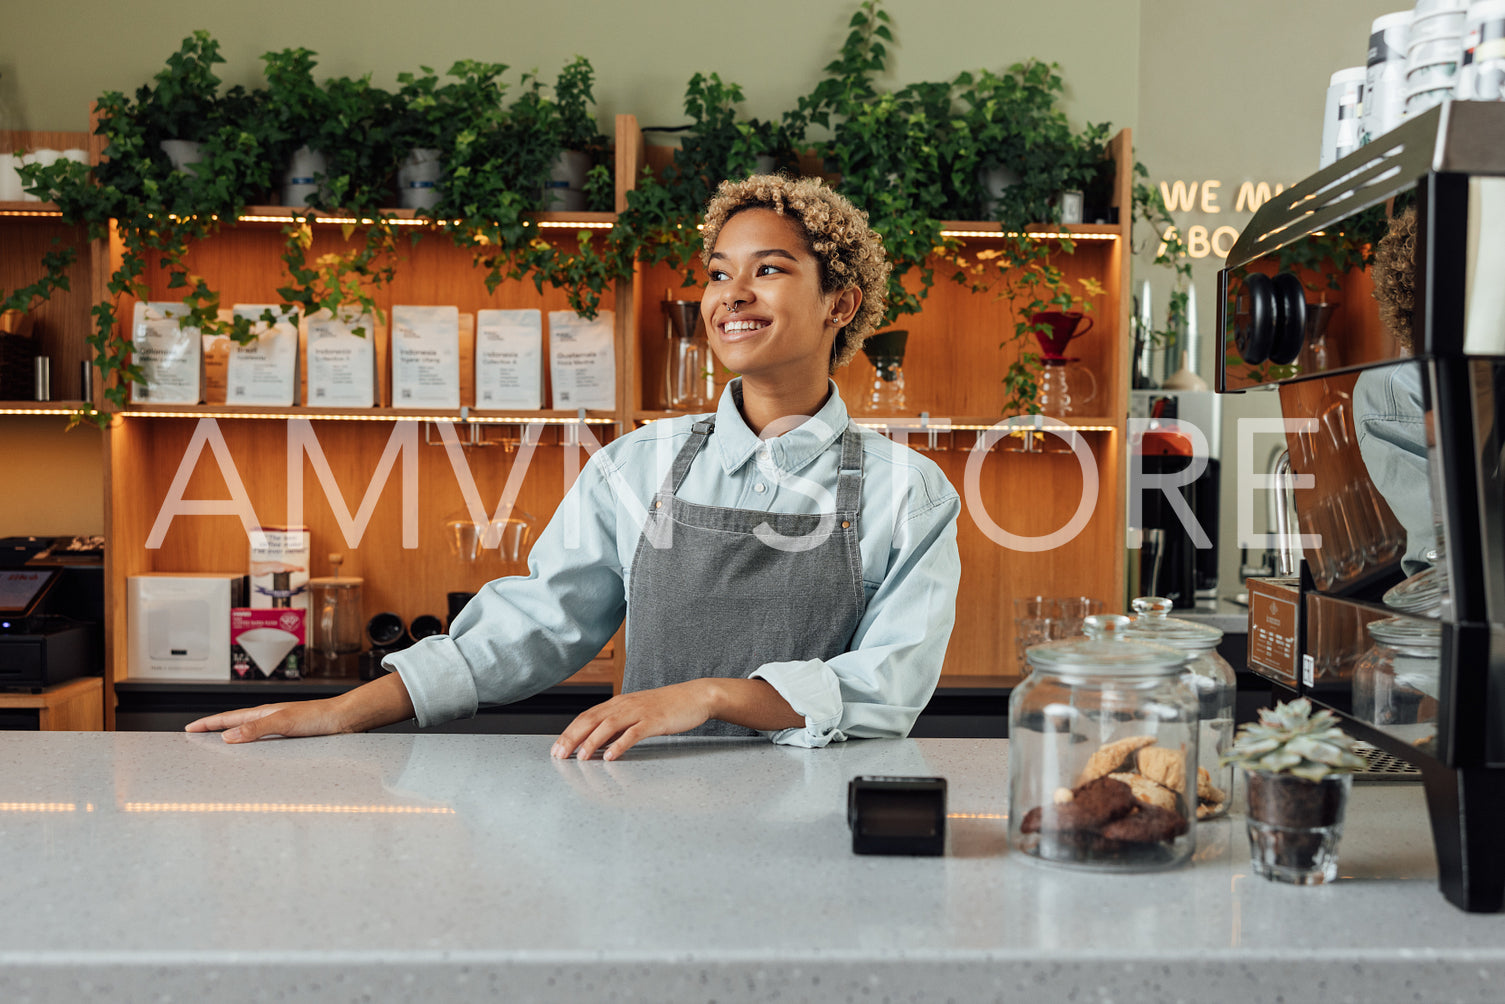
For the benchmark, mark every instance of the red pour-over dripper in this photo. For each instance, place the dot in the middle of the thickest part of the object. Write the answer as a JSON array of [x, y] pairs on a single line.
[[1062, 327]]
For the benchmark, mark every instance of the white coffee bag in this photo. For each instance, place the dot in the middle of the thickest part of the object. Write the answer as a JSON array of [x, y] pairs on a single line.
[[509, 359], [425, 357], [170, 355], [583, 360], [265, 371], [341, 364]]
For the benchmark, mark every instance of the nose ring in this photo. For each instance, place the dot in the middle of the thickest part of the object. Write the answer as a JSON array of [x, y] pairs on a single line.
[[737, 305]]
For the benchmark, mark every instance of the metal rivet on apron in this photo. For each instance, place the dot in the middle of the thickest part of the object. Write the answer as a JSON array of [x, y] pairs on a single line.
[[658, 505], [845, 524]]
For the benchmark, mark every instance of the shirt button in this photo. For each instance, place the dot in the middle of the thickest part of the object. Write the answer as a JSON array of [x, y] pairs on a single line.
[[760, 488]]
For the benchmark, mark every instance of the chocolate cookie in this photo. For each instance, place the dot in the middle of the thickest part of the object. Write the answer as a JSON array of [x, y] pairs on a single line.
[[1092, 804], [1146, 825]]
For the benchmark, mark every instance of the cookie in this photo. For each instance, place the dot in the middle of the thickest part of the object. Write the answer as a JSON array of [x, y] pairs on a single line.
[[1147, 791], [1207, 810], [1147, 824], [1092, 804], [1206, 790], [1167, 767], [1108, 759]]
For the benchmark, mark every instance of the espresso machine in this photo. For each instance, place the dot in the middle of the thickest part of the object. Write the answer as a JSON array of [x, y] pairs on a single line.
[[1372, 296]]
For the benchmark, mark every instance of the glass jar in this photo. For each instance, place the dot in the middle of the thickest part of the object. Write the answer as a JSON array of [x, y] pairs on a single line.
[[1396, 680], [1211, 678], [885, 395], [1102, 749]]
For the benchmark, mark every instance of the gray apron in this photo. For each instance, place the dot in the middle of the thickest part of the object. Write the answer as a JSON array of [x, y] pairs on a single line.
[[721, 600]]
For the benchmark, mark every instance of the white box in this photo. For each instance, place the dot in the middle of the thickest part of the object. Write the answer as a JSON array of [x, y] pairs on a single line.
[[283, 551], [179, 625]]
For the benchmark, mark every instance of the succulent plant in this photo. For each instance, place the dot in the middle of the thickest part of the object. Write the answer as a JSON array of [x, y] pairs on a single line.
[[1289, 739]]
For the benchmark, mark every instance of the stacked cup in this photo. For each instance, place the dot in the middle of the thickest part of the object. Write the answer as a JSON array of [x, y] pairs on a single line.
[[1434, 48], [1482, 75], [1385, 80]]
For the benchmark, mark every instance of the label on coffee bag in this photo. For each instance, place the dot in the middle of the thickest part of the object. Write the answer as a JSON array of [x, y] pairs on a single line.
[[583, 360], [426, 357], [170, 355]]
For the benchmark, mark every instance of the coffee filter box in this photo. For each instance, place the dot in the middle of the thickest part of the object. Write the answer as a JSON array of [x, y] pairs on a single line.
[[267, 644], [179, 624], [170, 355], [279, 568], [582, 360]]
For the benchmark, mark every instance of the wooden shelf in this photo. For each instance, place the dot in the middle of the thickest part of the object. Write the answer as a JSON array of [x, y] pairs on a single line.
[[39, 407], [71, 706], [30, 210], [278, 215], [555, 416], [986, 228]]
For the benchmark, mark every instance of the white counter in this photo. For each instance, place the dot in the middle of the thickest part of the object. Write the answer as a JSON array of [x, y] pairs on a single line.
[[144, 866]]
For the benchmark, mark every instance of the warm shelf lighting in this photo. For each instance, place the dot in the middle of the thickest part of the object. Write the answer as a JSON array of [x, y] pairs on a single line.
[[1038, 235], [38, 807], [569, 225], [385, 810], [37, 411], [387, 416], [53, 213]]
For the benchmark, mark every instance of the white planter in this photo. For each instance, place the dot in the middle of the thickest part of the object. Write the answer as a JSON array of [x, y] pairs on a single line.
[[418, 179], [299, 182], [565, 189], [994, 182], [11, 189], [183, 153]]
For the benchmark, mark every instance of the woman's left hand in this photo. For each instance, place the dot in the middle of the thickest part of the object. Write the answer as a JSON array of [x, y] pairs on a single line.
[[622, 722]]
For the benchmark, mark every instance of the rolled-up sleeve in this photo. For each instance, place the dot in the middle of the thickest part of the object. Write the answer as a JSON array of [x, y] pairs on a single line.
[[523, 634], [879, 687]]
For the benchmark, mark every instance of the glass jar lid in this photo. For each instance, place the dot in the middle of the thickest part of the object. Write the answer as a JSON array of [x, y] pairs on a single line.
[[1420, 594], [1106, 651], [1407, 634], [332, 582], [1154, 623]]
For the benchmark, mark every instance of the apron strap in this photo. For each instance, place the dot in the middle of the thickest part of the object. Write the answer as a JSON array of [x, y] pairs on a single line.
[[849, 477], [686, 456]]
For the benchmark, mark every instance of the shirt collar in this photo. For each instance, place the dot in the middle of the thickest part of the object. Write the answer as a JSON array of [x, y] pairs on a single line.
[[790, 451]]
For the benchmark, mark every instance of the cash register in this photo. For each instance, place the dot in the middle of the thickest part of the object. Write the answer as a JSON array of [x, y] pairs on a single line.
[[51, 610]]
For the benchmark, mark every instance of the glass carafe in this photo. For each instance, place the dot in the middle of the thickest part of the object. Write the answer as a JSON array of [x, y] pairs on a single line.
[[690, 370], [1066, 388], [885, 392], [335, 622]]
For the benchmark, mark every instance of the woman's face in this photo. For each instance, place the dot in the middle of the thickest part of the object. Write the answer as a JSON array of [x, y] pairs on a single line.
[[782, 327]]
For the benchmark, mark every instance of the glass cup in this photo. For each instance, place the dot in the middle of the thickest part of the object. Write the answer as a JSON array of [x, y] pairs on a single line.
[[1294, 826]]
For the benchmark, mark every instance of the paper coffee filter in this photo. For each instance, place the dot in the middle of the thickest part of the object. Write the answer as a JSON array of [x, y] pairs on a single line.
[[266, 646]]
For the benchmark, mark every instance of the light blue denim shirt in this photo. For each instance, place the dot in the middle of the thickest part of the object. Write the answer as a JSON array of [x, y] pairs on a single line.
[[1390, 418], [523, 634]]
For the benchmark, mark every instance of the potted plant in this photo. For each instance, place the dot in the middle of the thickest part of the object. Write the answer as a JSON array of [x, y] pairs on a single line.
[[294, 112], [181, 108], [580, 142], [1298, 769]]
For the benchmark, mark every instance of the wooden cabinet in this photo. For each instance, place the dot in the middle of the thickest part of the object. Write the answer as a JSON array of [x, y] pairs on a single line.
[[28, 230], [953, 367]]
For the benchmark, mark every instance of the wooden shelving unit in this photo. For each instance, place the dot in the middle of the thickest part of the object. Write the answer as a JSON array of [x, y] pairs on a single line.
[[952, 372]]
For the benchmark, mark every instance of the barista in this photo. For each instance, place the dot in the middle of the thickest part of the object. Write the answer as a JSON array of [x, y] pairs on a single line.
[[781, 570], [1391, 414]]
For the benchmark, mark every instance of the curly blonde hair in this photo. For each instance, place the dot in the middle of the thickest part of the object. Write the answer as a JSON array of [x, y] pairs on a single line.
[[1395, 276], [836, 232]]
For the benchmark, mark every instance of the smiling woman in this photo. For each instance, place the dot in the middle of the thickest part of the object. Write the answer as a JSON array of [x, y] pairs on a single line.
[[782, 571]]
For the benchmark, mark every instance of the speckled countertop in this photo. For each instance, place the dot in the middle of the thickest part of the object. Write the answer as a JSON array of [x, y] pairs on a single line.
[[149, 866]]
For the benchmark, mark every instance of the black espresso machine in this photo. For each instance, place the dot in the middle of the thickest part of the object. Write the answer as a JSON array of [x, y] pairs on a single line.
[[1372, 294]]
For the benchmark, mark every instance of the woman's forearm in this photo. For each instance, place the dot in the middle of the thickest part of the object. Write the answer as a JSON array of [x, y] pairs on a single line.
[[383, 701], [751, 703]]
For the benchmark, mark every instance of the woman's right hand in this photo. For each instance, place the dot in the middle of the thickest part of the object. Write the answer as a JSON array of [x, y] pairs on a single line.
[[381, 702]]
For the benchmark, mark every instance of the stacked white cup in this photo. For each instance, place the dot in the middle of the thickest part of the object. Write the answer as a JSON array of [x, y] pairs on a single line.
[[1340, 121], [1385, 83], [1482, 75], [1434, 48]]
